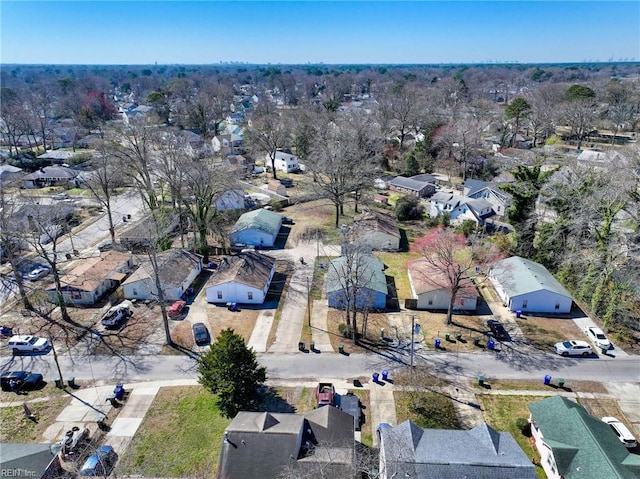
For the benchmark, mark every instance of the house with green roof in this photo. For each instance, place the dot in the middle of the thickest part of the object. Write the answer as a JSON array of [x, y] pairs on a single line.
[[528, 286], [356, 278], [575, 445], [259, 228]]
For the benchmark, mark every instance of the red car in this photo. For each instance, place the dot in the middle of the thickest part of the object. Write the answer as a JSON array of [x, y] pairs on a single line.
[[176, 309]]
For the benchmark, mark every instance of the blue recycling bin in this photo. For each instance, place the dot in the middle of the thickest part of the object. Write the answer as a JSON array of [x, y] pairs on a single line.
[[547, 380], [118, 392], [385, 375], [518, 313], [491, 344], [375, 377], [436, 343]]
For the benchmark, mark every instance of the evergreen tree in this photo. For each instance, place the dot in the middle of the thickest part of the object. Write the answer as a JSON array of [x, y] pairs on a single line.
[[230, 370]]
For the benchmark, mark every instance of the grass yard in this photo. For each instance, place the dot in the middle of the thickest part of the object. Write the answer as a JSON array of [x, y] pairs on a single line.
[[543, 333], [16, 427], [396, 264], [522, 385], [180, 436], [502, 413], [427, 409], [366, 428]]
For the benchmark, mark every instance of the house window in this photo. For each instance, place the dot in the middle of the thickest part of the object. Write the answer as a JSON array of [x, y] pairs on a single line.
[[219, 294], [135, 292], [430, 302], [524, 303], [249, 295], [557, 305], [76, 295]]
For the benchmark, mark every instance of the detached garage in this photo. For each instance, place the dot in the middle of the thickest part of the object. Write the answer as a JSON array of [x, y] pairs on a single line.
[[528, 286]]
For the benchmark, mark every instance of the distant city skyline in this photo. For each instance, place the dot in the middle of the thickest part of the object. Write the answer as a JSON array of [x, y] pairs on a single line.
[[301, 32]]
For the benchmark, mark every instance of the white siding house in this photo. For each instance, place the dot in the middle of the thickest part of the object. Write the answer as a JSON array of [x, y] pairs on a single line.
[[429, 287], [285, 162], [244, 278], [178, 269], [526, 286]]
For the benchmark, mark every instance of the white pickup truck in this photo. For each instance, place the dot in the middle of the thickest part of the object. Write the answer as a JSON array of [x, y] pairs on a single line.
[[117, 314]]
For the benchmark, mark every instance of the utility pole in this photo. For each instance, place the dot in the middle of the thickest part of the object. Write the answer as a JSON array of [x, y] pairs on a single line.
[[413, 328], [308, 302]]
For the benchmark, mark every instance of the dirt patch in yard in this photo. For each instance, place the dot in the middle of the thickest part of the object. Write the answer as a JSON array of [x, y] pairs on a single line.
[[543, 332]]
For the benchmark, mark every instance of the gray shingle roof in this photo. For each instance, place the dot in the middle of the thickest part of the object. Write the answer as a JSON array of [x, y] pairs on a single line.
[[250, 268], [481, 453], [409, 183], [374, 222], [261, 445], [520, 276], [261, 219], [174, 266], [584, 447]]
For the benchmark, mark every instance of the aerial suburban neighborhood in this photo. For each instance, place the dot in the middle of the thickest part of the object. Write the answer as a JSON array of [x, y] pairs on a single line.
[[301, 270]]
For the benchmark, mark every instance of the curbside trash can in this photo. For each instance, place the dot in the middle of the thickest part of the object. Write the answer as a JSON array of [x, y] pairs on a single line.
[[604, 350], [312, 347], [59, 383], [375, 377], [481, 379], [385, 375], [491, 344], [518, 313], [547, 380], [301, 346], [447, 336], [560, 382], [341, 349], [71, 382], [458, 335], [118, 392], [476, 341], [436, 343]]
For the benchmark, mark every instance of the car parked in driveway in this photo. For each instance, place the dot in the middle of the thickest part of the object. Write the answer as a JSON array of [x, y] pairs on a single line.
[[176, 309], [573, 348], [621, 431], [28, 344], [497, 329], [597, 337], [99, 464], [117, 315], [37, 273], [20, 380], [201, 334]]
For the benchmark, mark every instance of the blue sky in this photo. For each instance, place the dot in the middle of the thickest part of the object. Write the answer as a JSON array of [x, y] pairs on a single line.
[[204, 32]]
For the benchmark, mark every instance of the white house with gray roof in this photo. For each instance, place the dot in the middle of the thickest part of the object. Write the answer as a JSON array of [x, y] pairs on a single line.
[[460, 208], [407, 450], [244, 278], [527, 286], [412, 186], [258, 228], [177, 269]]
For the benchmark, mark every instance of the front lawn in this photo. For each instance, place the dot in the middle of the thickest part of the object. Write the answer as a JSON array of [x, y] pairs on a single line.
[[16, 427], [181, 436], [502, 414], [427, 409]]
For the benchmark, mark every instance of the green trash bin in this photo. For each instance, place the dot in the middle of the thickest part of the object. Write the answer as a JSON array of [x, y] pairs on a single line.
[[481, 379], [604, 350], [341, 349], [59, 383], [71, 382], [447, 336], [312, 347], [560, 382]]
